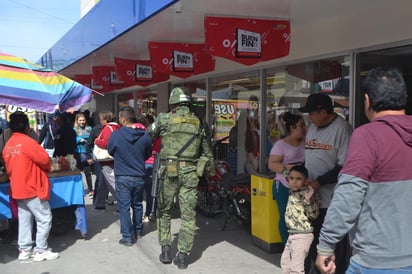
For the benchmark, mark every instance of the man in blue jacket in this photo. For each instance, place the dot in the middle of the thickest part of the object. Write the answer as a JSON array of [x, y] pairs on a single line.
[[130, 146]]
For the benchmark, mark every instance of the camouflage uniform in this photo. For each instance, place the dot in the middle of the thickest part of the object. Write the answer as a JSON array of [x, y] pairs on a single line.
[[176, 128], [298, 218], [299, 213]]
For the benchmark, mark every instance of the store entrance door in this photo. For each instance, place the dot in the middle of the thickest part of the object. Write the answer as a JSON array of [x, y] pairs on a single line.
[[400, 57]]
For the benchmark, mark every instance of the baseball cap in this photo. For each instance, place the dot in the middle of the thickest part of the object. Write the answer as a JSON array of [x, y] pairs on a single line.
[[317, 101]]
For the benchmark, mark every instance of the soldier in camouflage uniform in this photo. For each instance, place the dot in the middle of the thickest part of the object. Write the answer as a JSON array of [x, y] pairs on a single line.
[[176, 129]]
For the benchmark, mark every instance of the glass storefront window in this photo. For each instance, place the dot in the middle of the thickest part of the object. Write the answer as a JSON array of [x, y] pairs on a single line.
[[398, 57], [147, 102], [236, 109], [198, 91], [125, 99], [235, 122], [289, 87]]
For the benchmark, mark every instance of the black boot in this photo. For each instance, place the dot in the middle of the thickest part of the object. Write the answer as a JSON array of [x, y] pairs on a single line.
[[166, 256], [180, 260]]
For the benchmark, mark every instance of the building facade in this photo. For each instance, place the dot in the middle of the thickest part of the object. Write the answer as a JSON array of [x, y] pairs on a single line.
[[332, 46]]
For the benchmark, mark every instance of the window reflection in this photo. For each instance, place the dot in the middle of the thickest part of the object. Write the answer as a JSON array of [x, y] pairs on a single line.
[[236, 125], [236, 109]]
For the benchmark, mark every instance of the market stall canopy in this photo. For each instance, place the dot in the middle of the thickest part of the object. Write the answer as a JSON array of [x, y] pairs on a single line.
[[29, 85]]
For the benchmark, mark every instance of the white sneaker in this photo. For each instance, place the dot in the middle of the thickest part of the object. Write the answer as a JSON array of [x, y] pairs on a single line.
[[45, 255], [24, 255]]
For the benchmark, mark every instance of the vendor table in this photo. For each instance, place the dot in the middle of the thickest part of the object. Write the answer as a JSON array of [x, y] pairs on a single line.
[[66, 190]]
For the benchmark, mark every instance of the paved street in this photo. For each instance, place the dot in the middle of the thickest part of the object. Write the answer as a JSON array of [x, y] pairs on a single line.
[[215, 251]]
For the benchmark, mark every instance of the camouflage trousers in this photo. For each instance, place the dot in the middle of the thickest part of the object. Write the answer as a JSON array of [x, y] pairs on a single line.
[[185, 188]]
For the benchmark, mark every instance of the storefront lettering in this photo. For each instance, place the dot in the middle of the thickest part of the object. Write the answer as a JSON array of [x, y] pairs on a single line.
[[11, 109], [229, 44], [249, 40], [144, 71], [166, 61], [183, 59], [224, 109]]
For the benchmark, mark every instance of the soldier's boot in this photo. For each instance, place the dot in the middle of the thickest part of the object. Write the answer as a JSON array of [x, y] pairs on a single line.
[[181, 260], [166, 256]]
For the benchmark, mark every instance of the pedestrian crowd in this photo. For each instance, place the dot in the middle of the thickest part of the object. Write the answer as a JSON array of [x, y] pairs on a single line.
[[126, 173], [342, 194]]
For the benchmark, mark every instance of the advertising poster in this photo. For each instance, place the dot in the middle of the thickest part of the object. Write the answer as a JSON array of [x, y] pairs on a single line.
[[137, 72], [180, 59], [31, 114], [105, 76], [226, 113], [84, 79], [247, 41]]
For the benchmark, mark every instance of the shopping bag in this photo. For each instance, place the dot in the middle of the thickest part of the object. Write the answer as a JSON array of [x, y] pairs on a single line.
[[101, 154]]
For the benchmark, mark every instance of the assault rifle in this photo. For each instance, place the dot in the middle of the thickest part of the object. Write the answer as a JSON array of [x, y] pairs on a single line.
[[157, 181]]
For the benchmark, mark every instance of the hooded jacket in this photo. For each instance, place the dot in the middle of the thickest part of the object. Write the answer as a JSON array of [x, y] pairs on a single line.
[[372, 199], [130, 147], [102, 139], [27, 165]]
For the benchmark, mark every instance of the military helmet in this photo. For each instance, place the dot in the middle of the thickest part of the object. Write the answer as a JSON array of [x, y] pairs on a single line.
[[180, 95]]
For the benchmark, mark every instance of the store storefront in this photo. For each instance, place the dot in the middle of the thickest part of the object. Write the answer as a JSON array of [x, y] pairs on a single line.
[[224, 101], [238, 104], [331, 48]]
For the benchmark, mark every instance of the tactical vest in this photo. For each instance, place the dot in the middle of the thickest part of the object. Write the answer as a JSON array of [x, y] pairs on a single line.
[[180, 130]]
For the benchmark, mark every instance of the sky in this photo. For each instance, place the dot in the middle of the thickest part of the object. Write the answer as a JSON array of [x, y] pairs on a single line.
[[29, 28]]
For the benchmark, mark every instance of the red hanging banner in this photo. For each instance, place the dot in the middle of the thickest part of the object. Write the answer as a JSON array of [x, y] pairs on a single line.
[[180, 59], [137, 72], [105, 77], [247, 41], [84, 79]]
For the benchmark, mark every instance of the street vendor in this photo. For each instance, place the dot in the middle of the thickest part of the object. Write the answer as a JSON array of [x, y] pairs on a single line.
[[27, 165]]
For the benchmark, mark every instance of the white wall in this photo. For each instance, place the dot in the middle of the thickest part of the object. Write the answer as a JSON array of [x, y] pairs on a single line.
[[347, 25]]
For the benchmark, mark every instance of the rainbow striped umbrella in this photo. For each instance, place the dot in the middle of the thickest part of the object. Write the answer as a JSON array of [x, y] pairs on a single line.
[[29, 85]]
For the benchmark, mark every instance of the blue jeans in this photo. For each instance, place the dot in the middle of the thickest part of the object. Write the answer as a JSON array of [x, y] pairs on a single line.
[[355, 268], [129, 192]]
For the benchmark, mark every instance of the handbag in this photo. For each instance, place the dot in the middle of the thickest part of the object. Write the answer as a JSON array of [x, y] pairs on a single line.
[[101, 154]]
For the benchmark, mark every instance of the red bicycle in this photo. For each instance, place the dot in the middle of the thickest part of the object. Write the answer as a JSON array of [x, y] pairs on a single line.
[[225, 193]]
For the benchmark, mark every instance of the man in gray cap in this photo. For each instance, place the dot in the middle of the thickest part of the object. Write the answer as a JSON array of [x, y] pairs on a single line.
[[327, 141]]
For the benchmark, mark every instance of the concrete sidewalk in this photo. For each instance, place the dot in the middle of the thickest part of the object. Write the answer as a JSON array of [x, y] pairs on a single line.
[[215, 251]]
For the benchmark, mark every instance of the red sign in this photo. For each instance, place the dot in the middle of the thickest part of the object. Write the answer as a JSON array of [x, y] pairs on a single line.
[[105, 78], [180, 59], [84, 79], [137, 72], [247, 41]]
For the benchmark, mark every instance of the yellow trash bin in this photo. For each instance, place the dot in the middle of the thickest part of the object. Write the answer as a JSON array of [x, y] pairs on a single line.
[[265, 215]]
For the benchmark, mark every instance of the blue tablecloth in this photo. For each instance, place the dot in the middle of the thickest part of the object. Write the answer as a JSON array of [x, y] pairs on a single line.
[[65, 191]]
